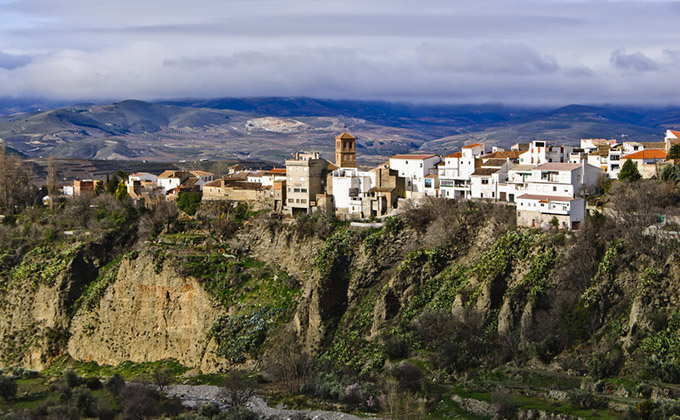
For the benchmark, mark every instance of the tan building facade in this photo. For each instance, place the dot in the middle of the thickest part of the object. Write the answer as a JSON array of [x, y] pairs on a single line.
[[306, 178]]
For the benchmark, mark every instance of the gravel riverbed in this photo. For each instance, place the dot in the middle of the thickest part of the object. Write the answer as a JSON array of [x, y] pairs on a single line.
[[197, 395]]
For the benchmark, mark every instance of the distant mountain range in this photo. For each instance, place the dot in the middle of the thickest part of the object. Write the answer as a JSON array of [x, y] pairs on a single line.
[[274, 128]]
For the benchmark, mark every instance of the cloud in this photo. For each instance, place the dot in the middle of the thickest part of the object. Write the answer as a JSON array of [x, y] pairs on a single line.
[[636, 61], [488, 58], [527, 51], [11, 61]]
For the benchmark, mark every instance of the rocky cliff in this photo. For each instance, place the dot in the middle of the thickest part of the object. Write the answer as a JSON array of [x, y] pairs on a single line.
[[454, 280]]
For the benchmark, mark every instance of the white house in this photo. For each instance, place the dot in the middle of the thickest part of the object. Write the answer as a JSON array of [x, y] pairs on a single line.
[[541, 151], [542, 211], [486, 180], [275, 174], [350, 186], [454, 174], [671, 139], [414, 168], [432, 185], [551, 193], [202, 177], [255, 177], [142, 176], [564, 179], [169, 180]]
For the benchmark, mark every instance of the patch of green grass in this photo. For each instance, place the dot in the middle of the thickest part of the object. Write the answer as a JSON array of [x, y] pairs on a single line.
[[447, 409], [127, 369]]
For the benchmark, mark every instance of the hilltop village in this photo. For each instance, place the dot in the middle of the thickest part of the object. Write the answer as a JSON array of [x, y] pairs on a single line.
[[546, 182]]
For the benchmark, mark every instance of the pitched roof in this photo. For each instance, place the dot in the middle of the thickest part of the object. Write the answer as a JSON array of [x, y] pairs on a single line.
[[201, 173], [455, 155], [494, 162], [239, 176], [276, 171], [511, 154], [172, 174], [558, 166], [345, 136], [470, 146], [541, 197], [138, 174], [432, 176], [414, 157], [646, 154], [654, 145], [485, 171], [675, 133]]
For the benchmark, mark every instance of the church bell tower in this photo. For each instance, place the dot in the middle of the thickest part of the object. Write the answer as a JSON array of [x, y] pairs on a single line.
[[345, 150]]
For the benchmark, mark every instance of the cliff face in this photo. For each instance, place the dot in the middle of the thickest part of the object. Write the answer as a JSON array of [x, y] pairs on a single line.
[[457, 276], [145, 315], [35, 302]]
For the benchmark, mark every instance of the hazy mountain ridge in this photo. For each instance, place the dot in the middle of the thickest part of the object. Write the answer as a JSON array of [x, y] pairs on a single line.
[[274, 128]]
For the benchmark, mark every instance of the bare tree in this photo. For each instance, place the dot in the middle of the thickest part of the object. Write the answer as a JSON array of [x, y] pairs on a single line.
[[239, 387], [161, 378], [290, 363]]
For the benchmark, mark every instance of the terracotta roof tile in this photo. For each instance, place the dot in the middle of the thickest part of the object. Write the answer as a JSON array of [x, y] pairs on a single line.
[[470, 146], [646, 154]]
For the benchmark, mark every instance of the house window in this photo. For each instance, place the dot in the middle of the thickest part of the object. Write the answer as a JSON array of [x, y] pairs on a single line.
[[485, 181], [421, 165], [304, 190], [297, 190], [554, 188]]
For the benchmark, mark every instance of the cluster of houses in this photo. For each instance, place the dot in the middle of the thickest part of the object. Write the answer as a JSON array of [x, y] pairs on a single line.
[[546, 182]]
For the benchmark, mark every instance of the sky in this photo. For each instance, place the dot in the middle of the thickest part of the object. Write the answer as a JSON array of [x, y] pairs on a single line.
[[539, 52]]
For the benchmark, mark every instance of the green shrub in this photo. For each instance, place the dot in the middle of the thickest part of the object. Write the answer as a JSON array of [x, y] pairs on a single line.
[[8, 388], [585, 400], [188, 202], [605, 364], [396, 347]]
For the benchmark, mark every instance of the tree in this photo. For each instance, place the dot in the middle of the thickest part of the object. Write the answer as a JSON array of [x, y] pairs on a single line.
[[629, 172], [8, 388], [161, 378], [674, 153], [121, 191], [112, 184], [238, 388], [670, 173], [188, 202]]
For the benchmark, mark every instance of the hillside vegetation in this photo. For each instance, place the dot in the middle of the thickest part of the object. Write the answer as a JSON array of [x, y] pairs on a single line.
[[446, 310]]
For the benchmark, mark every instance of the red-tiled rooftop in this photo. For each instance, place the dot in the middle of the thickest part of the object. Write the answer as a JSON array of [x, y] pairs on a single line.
[[470, 146], [455, 155], [647, 154]]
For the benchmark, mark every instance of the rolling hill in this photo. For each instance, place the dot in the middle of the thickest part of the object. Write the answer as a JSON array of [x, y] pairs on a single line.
[[274, 128]]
